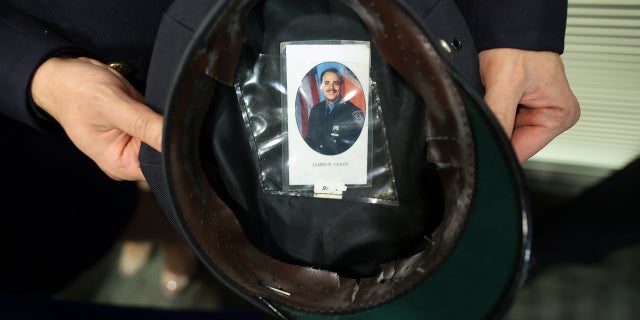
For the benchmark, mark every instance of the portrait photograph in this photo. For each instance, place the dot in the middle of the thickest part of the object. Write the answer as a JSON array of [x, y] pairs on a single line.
[[327, 113], [330, 108]]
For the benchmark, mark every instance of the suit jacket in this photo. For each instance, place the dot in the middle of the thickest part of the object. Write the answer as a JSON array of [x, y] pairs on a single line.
[[110, 31], [113, 30]]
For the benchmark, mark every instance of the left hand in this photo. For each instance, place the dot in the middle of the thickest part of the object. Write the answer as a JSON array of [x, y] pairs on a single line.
[[101, 112], [529, 94]]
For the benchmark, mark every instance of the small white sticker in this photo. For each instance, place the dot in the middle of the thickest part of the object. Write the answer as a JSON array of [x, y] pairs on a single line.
[[329, 189]]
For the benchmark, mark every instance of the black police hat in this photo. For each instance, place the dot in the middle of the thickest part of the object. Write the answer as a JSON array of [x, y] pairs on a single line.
[[448, 237]]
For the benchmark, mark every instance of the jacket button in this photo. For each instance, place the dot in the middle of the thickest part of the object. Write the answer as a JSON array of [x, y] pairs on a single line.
[[456, 44], [122, 68]]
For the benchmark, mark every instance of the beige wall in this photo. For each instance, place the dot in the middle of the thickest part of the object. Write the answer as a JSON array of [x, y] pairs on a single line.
[[602, 59]]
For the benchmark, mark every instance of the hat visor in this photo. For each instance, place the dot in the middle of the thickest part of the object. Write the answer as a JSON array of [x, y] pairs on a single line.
[[488, 264]]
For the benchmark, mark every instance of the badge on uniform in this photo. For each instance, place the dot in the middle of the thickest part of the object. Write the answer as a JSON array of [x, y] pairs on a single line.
[[335, 132], [358, 117]]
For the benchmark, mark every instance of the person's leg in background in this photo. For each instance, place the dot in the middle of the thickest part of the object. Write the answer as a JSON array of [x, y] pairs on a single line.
[[61, 214], [601, 220], [150, 228]]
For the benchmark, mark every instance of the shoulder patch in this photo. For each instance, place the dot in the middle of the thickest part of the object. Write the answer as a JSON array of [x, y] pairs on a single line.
[[358, 117]]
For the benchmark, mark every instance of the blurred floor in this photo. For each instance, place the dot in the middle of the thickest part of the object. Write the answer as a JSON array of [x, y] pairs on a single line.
[[608, 288], [105, 284]]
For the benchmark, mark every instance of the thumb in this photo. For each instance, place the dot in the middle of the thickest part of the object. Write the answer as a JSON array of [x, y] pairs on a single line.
[[502, 98], [141, 122]]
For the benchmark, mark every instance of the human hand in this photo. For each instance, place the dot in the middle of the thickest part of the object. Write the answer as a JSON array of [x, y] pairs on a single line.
[[529, 94], [101, 112]]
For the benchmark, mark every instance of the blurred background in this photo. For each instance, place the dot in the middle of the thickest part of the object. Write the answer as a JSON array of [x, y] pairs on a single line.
[[584, 192], [585, 185]]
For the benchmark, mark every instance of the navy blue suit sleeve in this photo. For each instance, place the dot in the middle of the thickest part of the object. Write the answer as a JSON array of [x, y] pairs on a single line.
[[26, 44], [522, 24]]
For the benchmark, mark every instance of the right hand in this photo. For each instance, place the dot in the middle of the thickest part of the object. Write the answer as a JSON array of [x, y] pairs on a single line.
[[529, 94]]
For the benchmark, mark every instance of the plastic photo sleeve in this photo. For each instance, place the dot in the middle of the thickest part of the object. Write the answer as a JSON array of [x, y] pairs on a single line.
[[313, 118]]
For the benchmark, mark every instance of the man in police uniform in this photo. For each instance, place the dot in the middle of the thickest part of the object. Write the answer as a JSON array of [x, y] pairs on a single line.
[[334, 124]]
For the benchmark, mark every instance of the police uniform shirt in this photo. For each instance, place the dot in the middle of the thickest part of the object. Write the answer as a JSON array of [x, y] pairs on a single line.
[[334, 130]]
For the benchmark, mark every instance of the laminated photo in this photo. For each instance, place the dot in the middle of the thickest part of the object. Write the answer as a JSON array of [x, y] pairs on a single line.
[[327, 112]]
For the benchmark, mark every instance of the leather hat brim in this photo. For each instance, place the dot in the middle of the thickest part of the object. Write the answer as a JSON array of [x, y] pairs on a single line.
[[486, 268]]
